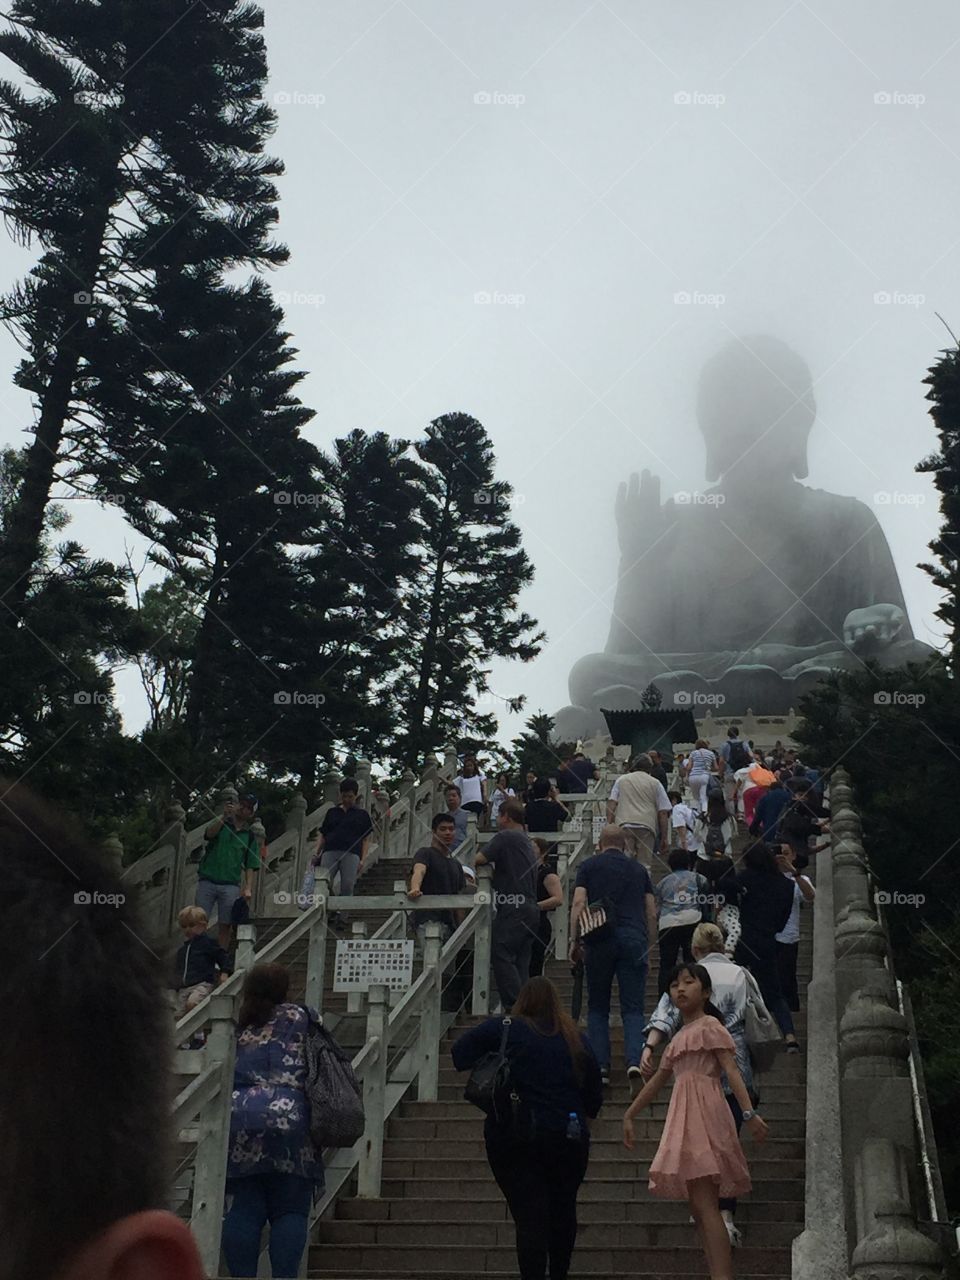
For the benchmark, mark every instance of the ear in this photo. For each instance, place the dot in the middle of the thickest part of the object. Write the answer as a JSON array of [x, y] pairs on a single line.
[[144, 1246]]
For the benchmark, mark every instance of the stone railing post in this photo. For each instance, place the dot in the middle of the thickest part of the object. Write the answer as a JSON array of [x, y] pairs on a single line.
[[213, 1137], [358, 931], [404, 834], [483, 942], [175, 835], [429, 1049], [363, 778], [260, 879], [113, 850], [374, 1095], [451, 765], [295, 820], [317, 944], [331, 787], [246, 945]]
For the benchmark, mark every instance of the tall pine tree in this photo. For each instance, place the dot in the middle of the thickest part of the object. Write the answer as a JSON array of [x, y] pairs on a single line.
[[462, 605], [944, 382]]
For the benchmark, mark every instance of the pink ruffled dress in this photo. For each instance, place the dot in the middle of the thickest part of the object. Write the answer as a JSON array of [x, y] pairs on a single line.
[[699, 1137]]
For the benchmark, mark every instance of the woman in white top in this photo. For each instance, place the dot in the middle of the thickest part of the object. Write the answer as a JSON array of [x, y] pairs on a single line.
[[473, 787], [701, 764], [788, 940], [502, 791]]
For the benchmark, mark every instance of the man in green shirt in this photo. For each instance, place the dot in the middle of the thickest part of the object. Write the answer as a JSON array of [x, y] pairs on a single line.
[[229, 861]]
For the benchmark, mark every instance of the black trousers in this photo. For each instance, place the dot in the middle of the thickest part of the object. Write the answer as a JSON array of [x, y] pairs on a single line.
[[514, 931], [787, 968], [540, 1178], [540, 944], [673, 942]]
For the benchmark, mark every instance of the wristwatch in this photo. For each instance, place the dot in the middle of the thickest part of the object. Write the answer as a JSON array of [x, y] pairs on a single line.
[[748, 1115]]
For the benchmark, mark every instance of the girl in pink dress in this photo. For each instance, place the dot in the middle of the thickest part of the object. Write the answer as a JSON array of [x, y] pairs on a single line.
[[699, 1158]]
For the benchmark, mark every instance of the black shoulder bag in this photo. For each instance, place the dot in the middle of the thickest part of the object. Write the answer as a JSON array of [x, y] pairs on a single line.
[[489, 1085]]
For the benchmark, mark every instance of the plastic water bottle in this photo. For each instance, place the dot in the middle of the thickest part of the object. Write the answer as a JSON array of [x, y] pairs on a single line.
[[573, 1127]]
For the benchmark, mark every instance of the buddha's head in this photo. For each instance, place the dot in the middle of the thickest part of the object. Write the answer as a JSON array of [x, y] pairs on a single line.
[[755, 407]]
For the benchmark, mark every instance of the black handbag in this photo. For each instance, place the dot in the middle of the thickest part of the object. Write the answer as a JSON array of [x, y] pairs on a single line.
[[489, 1084]]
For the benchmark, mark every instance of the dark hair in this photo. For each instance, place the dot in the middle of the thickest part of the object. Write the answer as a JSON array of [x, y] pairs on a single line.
[[542, 846], [350, 784], [440, 818], [702, 975], [513, 810], [452, 786], [760, 857], [539, 1005], [675, 796], [733, 732], [469, 760], [264, 987], [678, 860], [540, 789], [506, 777], [85, 1057], [716, 808]]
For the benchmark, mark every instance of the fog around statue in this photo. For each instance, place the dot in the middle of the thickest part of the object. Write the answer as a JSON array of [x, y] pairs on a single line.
[[746, 593]]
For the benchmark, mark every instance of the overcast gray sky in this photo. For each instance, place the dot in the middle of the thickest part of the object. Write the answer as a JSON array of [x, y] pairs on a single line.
[[583, 163]]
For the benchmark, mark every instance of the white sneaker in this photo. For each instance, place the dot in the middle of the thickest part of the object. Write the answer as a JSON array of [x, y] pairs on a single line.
[[733, 1231]]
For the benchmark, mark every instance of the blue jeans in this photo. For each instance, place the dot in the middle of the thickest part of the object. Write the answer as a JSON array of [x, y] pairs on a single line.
[[283, 1199], [623, 956]]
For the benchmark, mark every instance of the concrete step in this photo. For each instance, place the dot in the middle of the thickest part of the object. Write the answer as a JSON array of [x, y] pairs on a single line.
[[443, 1231], [606, 1128], [468, 1259], [618, 1163], [782, 1106], [604, 1186], [753, 1210]]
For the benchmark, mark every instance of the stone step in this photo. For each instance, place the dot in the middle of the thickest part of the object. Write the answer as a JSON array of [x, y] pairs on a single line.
[[782, 1106], [352, 1273], [462, 1260], [606, 1128], [444, 1230], [751, 1211], [607, 1144], [606, 1187], [618, 1163]]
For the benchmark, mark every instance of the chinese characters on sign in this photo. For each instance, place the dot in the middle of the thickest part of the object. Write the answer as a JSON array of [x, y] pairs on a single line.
[[362, 963]]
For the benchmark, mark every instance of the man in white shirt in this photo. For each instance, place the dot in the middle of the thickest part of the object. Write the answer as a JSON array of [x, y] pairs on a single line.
[[639, 805], [682, 821]]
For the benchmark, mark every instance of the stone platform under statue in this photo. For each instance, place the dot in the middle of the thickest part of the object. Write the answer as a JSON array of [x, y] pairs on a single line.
[[745, 594]]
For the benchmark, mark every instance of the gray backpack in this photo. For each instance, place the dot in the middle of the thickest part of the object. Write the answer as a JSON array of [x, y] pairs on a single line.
[[333, 1090]]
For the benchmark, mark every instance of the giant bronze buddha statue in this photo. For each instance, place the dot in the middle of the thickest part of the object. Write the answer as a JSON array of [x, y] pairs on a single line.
[[745, 594]]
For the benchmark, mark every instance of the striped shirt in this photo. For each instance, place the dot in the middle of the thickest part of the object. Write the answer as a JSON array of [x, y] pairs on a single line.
[[702, 761]]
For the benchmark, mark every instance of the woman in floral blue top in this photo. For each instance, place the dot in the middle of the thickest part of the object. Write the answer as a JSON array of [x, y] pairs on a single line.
[[273, 1168]]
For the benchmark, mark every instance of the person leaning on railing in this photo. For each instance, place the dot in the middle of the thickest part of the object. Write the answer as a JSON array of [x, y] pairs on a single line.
[[230, 859]]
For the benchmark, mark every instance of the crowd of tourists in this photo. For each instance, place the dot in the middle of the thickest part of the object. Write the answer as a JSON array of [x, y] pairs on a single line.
[[668, 877]]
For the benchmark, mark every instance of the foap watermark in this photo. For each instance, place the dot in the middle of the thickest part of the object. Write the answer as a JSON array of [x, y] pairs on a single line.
[[94, 898], [291, 498], [686, 298], [297, 298], [897, 98], [696, 98], [94, 698], [497, 98], [898, 698], [886, 898], [91, 98], [498, 298], [894, 498], [691, 498], [509, 899], [491, 498], [284, 898], [296, 98], [697, 698], [897, 298], [295, 698]]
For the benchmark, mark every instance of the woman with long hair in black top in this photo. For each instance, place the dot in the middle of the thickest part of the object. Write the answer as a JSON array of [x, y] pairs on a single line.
[[538, 1154]]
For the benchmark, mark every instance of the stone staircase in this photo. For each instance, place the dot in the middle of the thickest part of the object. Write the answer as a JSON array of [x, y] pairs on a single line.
[[442, 1215]]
